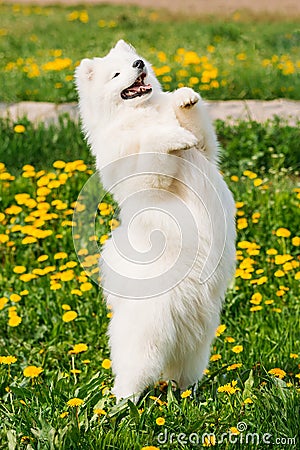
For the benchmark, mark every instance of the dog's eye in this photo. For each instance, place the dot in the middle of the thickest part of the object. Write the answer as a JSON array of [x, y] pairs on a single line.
[[116, 74]]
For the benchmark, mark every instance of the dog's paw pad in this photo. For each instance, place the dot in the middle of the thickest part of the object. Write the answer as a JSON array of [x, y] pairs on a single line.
[[186, 98], [189, 102]]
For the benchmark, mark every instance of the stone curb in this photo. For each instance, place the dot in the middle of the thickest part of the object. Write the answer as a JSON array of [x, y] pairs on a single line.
[[232, 110]]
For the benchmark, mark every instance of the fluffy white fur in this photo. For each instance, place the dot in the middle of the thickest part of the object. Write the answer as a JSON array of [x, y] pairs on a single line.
[[167, 336]]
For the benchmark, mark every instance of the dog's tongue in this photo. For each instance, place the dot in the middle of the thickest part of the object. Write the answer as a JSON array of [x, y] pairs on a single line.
[[140, 88]]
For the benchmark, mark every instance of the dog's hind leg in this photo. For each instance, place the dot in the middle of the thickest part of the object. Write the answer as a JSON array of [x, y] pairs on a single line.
[[195, 363], [136, 358]]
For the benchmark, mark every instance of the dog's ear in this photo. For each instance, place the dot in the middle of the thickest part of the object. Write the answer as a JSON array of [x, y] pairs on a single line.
[[85, 69], [122, 45]]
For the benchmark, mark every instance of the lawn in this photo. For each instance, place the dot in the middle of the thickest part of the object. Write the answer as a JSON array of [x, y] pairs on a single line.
[[55, 369], [233, 58], [55, 375]]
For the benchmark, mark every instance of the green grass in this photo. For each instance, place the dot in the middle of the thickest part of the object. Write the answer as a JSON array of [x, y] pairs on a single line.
[[251, 143], [31, 409], [231, 58]]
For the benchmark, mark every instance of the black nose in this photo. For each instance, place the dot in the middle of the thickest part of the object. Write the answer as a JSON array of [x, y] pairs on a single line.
[[139, 64]]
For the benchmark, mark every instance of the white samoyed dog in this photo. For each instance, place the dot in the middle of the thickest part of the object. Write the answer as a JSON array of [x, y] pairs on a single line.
[[165, 269]]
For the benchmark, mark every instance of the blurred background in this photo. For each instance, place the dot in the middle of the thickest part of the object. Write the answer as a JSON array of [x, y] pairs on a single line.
[[225, 49]]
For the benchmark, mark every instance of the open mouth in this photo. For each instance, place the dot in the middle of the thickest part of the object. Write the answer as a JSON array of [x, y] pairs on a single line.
[[137, 89]]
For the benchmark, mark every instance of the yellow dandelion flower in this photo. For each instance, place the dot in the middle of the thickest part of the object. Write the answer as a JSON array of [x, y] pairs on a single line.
[[256, 298], [257, 182], [237, 348], [288, 266], [60, 255], [29, 240], [84, 17], [149, 447], [229, 388], [26, 277], [64, 414], [296, 241], [15, 297], [256, 308], [69, 316], [209, 441], [269, 302], [86, 287], [160, 421], [57, 65], [55, 286], [82, 252], [250, 174], [3, 301], [283, 232], [186, 393], [19, 269], [103, 239], [261, 280], [241, 56], [74, 402], [12, 311], [220, 330], [82, 278], [279, 373], [19, 129], [234, 430], [215, 357], [272, 251], [76, 292], [3, 238], [28, 167], [248, 401], [99, 412], [66, 307], [106, 364], [294, 355], [78, 348], [32, 371], [13, 210], [113, 223], [242, 223], [14, 321], [59, 164], [8, 360], [234, 366], [71, 264], [229, 339], [282, 259], [67, 275]]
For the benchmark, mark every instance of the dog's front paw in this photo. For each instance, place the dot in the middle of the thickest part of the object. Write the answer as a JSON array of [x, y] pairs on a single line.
[[183, 140], [185, 98]]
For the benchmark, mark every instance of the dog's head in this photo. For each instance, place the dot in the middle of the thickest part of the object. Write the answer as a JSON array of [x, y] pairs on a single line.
[[119, 78]]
